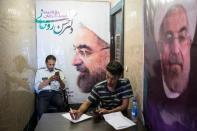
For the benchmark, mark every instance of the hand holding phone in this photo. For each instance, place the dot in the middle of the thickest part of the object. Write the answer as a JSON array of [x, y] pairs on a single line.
[[57, 76], [57, 73]]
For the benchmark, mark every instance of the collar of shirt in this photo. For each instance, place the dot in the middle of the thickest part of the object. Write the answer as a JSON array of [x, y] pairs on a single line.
[[169, 93]]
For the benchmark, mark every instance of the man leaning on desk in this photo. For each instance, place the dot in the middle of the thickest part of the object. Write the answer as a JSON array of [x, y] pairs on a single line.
[[111, 95]]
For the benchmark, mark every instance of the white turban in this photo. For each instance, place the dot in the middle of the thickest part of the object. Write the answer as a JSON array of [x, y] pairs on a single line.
[[96, 20], [162, 8]]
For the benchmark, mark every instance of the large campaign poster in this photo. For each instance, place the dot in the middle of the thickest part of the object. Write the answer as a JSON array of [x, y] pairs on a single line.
[[78, 34], [170, 65]]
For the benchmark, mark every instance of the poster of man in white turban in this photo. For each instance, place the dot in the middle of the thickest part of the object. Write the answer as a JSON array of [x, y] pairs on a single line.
[[78, 34], [170, 65]]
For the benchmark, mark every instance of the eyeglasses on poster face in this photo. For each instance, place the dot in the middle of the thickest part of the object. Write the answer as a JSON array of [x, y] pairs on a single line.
[[85, 52], [181, 36]]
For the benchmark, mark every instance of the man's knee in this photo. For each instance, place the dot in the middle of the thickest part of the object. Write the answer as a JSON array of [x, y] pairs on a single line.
[[42, 109], [58, 100]]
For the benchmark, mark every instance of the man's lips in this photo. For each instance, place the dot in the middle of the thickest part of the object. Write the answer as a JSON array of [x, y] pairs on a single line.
[[175, 65], [82, 71], [174, 61], [110, 85]]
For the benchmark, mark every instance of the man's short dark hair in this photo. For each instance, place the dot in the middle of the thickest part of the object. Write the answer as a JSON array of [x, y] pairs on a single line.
[[115, 68], [50, 57]]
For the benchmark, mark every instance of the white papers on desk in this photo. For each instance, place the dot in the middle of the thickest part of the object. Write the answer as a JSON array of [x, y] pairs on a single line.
[[118, 121], [83, 117]]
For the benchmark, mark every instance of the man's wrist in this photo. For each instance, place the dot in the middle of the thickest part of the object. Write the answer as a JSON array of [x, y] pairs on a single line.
[[109, 111]]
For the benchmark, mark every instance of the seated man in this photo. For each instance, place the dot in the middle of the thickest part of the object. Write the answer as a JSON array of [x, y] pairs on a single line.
[[49, 82], [111, 95]]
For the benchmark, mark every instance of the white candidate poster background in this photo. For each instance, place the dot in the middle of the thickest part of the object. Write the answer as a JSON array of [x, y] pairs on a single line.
[[54, 22]]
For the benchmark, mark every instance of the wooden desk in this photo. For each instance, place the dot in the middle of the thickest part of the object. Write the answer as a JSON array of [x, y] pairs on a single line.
[[56, 122]]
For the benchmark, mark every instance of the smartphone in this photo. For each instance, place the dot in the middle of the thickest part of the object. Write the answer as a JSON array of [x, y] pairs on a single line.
[[44, 78], [57, 73]]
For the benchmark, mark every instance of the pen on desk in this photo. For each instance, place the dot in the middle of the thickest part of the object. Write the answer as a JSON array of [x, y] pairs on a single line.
[[72, 114]]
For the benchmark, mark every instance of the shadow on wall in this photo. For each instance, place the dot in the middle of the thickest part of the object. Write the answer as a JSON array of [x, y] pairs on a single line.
[[16, 95], [22, 77]]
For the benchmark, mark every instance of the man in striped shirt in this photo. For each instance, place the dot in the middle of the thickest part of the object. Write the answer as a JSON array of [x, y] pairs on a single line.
[[111, 95]]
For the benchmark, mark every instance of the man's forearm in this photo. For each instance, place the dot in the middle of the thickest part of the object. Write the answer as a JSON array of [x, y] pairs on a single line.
[[122, 107], [83, 108], [43, 84], [62, 85], [119, 108]]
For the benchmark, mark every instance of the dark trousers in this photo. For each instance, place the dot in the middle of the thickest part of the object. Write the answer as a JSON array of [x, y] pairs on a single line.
[[49, 98]]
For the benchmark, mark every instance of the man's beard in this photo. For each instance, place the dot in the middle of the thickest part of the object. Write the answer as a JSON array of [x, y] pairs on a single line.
[[86, 81], [179, 83], [50, 69], [176, 75]]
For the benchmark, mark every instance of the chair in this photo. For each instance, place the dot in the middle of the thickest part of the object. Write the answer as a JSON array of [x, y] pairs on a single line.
[[66, 104], [52, 109]]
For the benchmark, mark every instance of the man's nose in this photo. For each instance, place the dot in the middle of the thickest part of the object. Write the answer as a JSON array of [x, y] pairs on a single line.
[[175, 46], [77, 60], [51, 66]]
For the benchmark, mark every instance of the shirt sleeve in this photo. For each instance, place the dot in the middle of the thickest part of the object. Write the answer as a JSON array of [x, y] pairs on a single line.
[[127, 91], [62, 77], [94, 96], [37, 80]]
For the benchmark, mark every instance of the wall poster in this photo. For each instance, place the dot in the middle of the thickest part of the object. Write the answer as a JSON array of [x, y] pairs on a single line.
[[170, 65], [77, 33]]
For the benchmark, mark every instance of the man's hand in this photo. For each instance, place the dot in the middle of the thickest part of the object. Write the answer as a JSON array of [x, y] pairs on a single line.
[[52, 78], [56, 77], [75, 114], [45, 82], [102, 111]]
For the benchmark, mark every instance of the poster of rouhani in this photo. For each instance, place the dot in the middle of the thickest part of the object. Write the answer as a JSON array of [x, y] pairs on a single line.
[[170, 65], [78, 34]]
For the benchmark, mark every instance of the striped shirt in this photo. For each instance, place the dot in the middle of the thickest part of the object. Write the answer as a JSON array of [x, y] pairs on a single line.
[[107, 99]]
